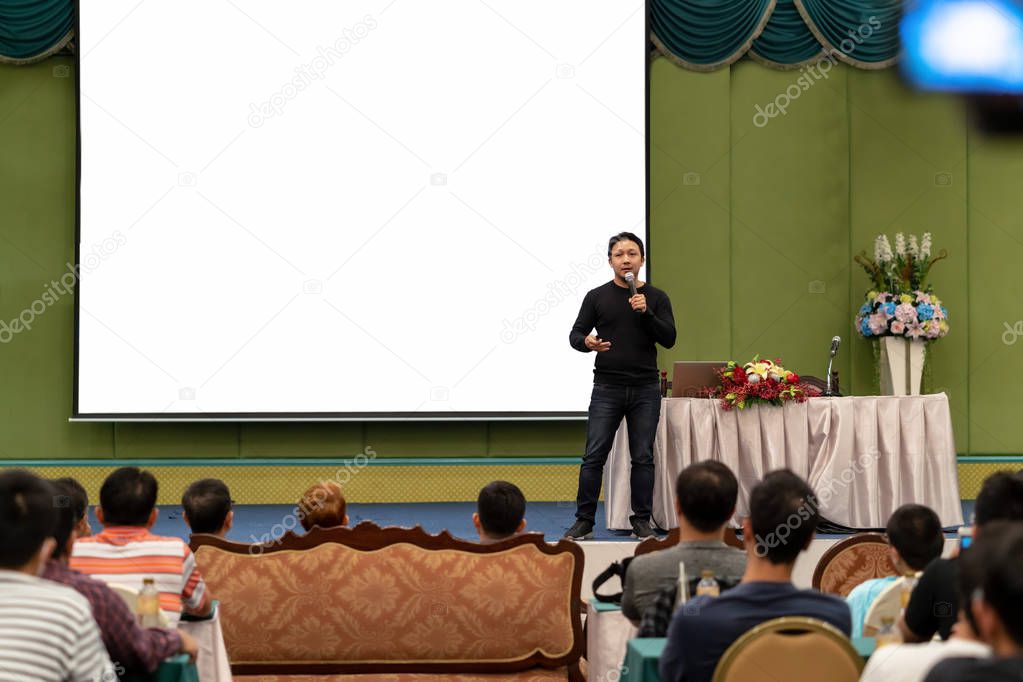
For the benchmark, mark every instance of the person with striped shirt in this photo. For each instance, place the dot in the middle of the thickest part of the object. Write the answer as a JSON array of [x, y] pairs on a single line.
[[136, 649], [47, 632], [126, 552]]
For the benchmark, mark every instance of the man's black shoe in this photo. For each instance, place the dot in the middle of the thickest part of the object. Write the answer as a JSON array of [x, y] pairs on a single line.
[[641, 528], [580, 530]]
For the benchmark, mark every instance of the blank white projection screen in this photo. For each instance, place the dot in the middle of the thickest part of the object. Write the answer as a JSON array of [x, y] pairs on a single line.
[[350, 209]]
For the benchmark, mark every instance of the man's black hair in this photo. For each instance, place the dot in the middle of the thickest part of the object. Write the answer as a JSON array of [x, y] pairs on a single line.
[[784, 515], [915, 532], [206, 503], [78, 497], [128, 497], [501, 507], [625, 236], [71, 502], [992, 565], [27, 516], [1000, 498], [706, 494]]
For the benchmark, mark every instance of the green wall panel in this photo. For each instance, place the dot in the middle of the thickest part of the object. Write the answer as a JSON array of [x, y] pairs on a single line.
[[754, 225], [537, 439], [37, 173], [908, 172], [146, 440], [341, 439], [689, 199], [996, 293], [439, 439], [790, 219]]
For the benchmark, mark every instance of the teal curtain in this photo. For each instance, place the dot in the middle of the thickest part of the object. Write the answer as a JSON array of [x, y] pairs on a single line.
[[786, 41], [697, 34], [864, 33], [31, 30], [707, 34]]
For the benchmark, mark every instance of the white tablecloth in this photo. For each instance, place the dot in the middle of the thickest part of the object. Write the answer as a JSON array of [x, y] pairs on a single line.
[[607, 635], [212, 662], [864, 456]]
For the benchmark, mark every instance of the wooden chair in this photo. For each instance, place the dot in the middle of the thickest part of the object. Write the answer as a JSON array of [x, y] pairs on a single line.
[[793, 648], [652, 544], [851, 562], [888, 604]]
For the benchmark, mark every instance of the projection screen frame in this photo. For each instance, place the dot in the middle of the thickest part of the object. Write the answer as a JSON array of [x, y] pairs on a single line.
[[227, 417]]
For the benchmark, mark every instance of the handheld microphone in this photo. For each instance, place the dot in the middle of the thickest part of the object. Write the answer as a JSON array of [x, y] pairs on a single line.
[[631, 279], [834, 345]]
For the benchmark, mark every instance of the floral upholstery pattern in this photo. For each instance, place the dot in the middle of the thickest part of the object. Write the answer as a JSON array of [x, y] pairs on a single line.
[[854, 564], [333, 603]]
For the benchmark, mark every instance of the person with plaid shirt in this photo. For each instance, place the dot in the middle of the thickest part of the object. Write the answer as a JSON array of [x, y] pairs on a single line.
[[131, 648]]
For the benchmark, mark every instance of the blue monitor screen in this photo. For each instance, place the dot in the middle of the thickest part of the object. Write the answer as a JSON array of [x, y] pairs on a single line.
[[964, 45]]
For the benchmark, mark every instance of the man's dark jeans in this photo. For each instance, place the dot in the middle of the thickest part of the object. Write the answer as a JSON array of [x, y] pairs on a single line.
[[641, 408]]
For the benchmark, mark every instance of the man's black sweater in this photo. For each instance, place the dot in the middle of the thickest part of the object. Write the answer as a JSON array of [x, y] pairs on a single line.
[[632, 358]]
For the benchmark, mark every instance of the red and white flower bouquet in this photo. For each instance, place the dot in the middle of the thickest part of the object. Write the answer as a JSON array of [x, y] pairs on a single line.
[[759, 381]]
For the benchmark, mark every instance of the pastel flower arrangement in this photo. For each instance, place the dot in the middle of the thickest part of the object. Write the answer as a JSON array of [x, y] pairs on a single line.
[[901, 302], [759, 381], [916, 315]]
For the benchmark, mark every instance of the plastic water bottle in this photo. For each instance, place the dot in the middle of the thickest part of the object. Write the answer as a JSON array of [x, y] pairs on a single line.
[[147, 608], [708, 585], [682, 594]]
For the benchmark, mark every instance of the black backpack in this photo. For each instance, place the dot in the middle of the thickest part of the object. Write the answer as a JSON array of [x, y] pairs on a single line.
[[617, 568]]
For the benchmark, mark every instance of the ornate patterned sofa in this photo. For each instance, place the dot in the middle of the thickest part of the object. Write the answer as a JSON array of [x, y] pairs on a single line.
[[374, 603]]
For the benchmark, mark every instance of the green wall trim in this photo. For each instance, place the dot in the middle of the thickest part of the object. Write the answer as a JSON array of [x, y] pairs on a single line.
[[1002, 459], [303, 461]]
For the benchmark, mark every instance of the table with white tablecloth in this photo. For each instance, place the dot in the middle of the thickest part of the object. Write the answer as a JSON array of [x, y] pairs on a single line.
[[608, 632], [212, 661], [864, 456]]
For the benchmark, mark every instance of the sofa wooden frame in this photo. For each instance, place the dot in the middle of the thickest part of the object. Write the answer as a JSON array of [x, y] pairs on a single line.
[[841, 547], [652, 544]]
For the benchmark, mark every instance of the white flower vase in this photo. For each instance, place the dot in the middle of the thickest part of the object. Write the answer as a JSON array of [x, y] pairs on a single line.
[[902, 365]]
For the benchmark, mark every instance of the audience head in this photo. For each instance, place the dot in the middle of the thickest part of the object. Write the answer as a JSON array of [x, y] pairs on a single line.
[[1000, 498], [705, 495], [323, 505], [207, 504], [500, 511], [783, 518], [991, 586], [71, 503], [914, 532], [80, 500], [128, 498], [28, 515]]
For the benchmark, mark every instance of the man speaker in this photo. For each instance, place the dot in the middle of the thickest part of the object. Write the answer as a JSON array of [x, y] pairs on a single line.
[[630, 317]]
